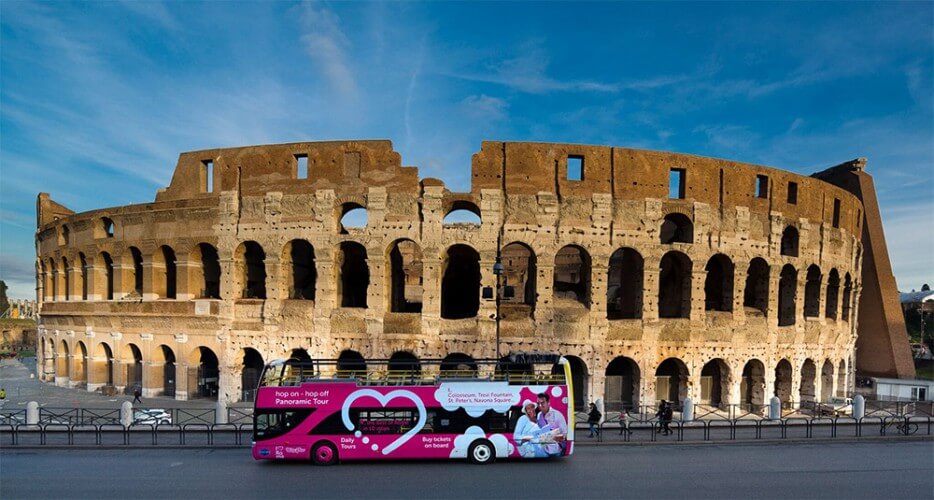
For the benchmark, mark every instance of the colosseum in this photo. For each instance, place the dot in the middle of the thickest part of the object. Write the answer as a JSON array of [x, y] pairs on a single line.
[[659, 275]]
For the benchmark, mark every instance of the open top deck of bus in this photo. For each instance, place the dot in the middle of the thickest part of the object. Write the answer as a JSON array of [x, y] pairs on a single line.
[[515, 370]]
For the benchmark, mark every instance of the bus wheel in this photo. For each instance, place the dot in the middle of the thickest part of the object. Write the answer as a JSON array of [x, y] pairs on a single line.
[[324, 453], [481, 452]]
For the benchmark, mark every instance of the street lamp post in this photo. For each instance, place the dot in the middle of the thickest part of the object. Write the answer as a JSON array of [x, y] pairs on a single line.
[[498, 271]]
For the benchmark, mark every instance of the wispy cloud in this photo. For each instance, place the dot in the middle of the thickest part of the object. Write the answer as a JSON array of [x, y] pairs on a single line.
[[326, 44]]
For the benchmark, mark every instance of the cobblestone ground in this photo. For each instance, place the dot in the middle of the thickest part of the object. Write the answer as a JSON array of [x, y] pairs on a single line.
[[18, 377]]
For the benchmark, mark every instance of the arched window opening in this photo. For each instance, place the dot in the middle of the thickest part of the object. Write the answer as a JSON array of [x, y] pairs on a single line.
[[353, 216], [103, 352], [783, 381], [752, 386], [787, 290], [63, 366], [137, 257], [625, 284], [66, 271], [299, 354], [203, 374], [756, 293], [572, 275], [671, 381], [460, 285], [249, 377], [304, 277], [826, 381], [677, 228], [808, 378], [405, 277], [83, 262], [519, 278], [132, 359], [833, 292], [168, 371], [66, 235], [847, 292], [812, 292], [718, 285], [170, 273], [458, 365], [351, 364], [841, 379], [462, 212], [108, 274], [54, 271], [674, 286], [251, 261], [81, 366], [207, 278], [44, 276], [355, 275], [715, 383], [789, 246], [404, 365], [108, 227]]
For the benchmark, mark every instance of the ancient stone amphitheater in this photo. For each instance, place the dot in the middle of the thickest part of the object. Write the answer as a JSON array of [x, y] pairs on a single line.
[[659, 275]]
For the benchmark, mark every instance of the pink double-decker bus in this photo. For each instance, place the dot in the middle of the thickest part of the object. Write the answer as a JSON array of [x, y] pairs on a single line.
[[518, 407]]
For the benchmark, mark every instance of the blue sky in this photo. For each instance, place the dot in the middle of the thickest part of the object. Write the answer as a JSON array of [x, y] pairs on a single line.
[[98, 99]]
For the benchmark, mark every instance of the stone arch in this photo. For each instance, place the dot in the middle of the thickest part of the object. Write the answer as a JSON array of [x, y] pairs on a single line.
[[580, 379], [572, 274], [404, 276], [519, 277], [826, 381], [783, 374], [846, 301], [205, 271], [833, 292], [132, 359], [756, 292], [674, 286], [354, 274], [81, 365], [621, 387], [66, 272], [252, 368], [812, 290], [460, 285], [808, 381], [671, 380], [103, 351], [715, 383], [63, 358], [135, 257], [404, 362], [299, 354], [787, 290], [676, 228], [108, 275], [458, 364], [250, 265], [83, 276], [841, 379], [165, 280], [789, 244], [351, 363], [166, 355], [106, 227], [625, 284], [353, 215], [298, 264], [462, 212], [752, 386], [45, 275], [718, 285], [203, 374]]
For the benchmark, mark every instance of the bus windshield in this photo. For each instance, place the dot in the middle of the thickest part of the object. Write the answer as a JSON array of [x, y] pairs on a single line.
[[325, 411]]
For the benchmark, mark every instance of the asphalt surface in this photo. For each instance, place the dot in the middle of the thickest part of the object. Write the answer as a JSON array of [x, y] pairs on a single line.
[[836, 470]]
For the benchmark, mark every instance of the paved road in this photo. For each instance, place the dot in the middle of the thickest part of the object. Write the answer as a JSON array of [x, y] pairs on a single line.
[[838, 470]]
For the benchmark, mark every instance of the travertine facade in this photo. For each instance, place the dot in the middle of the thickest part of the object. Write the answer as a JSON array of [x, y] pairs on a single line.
[[739, 283]]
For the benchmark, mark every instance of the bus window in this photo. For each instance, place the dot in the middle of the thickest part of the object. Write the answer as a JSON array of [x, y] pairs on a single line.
[[270, 424]]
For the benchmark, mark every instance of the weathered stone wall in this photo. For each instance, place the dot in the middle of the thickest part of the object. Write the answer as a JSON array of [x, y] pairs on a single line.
[[104, 310]]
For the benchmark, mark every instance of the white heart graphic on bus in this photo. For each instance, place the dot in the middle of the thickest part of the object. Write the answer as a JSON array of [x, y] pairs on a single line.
[[383, 399]]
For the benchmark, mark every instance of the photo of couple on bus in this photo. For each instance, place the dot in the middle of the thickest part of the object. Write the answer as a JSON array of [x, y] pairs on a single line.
[[540, 431]]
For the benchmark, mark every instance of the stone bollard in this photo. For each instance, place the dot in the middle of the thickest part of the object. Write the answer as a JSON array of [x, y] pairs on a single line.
[[775, 408], [32, 413], [220, 412], [687, 414], [126, 413], [859, 407]]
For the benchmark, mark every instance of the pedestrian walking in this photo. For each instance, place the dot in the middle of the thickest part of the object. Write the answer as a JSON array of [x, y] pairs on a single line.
[[593, 418], [667, 414], [624, 420], [660, 415], [136, 396]]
